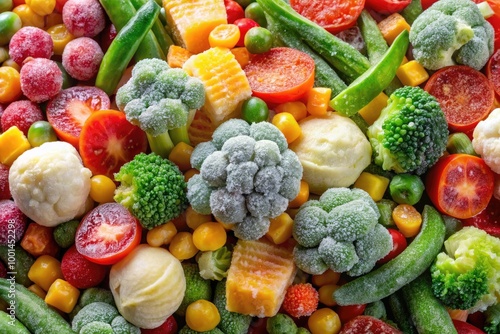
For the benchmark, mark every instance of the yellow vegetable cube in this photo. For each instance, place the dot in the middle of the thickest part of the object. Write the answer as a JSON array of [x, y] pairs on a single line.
[[13, 143], [392, 26], [37, 290], [62, 295], [372, 110], [44, 271], [280, 229], [373, 184], [412, 73]]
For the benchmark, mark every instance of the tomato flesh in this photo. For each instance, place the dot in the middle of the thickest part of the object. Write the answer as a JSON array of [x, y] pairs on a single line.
[[387, 6], [493, 71], [488, 219], [460, 185], [463, 327], [368, 324], [107, 234], [349, 312]]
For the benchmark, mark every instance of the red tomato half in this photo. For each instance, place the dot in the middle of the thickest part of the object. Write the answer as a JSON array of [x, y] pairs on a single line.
[[465, 95], [493, 71], [368, 324], [427, 3], [463, 327], [460, 185], [107, 234], [387, 6], [399, 244], [333, 15], [280, 75], [348, 312], [488, 219], [244, 24]]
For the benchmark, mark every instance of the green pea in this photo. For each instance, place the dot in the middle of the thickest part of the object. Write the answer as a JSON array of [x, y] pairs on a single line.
[[10, 23], [41, 132], [255, 110], [255, 12], [244, 3], [6, 5], [406, 188], [258, 40]]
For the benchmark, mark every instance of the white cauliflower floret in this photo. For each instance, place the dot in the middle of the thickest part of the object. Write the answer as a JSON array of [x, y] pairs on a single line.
[[486, 140], [49, 183]]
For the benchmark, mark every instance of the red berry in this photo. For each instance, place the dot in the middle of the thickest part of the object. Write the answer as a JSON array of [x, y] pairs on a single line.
[[81, 58], [30, 42], [4, 182], [168, 327], [301, 300], [22, 114], [41, 79], [80, 272], [84, 17], [12, 222]]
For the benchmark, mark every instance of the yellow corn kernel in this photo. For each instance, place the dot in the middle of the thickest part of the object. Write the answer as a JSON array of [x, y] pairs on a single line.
[[224, 35], [42, 7], [161, 235], [13, 143], [407, 219], [189, 173], [60, 37], [302, 196], [177, 56], [280, 229], [242, 55], [181, 155], [195, 219], [28, 16], [209, 236], [372, 110], [404, 61], [412, 73], [328, 277], [44, 271], [11, 63], [318, 99], [298, 109], [288, 125], [182, 246], [227, 226], [326, 294], [392, 26], [36, 289], [62, 295], [373, 184]]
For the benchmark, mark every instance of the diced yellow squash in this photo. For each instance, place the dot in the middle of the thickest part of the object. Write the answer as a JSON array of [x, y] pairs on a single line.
[[201, 128], [372, 110], [242, 55], [392, 26], [62, 295], [226, 84], [177, 56], [13, 143], [280, 229], [374, 185], [258, 277], [192, 21], [412, 73]]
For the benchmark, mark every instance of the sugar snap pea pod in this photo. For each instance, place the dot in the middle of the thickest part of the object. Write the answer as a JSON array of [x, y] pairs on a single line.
[[10, 325], [404, 268], [122, 11], [372, 82], [123, 47], [400, 313], [411, 11], [428, 314]]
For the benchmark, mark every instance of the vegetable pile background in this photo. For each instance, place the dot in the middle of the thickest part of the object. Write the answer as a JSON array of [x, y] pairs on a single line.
[[249, 166]]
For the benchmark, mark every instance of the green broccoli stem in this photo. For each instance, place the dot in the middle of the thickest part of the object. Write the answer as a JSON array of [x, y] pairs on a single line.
[[161, 144], [178, 135]]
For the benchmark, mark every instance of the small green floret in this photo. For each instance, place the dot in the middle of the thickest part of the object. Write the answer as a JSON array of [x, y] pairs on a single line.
[[230, 322], [492, 321], [152, 188], [281, 323], [214, 265], [196, 287], [411, 133]]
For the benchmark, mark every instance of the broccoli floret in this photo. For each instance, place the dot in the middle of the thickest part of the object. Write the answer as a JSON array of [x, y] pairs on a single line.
[[161, 101], [152, 188], [101, 318], [97, 327], [411, 133], [340, 231], [281, 324], [121, 326], [452, 32], [230, 322], [466, 275], [186, 330], [492, 321], [214, 265], [376, 309], [196, 287], [247, 176]]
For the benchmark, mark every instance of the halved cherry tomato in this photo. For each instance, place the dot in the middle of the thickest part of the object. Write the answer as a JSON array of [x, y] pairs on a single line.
[[463, 327], [244, 24], [387, 6], [460, 185], [399, 244], [349, 312], [368, 324], [488, 219], [427, 3], [280, 75], [107, 233], [465, 95], [108, 140], [493, 71], [234, 11], [168, 327], [333, 15]]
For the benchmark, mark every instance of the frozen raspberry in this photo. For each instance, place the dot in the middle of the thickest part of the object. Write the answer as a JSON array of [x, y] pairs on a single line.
[[30, 42], [301, 299], [4, 182], [12, 222], [22, 114], [80, 272], [84, 17], [81, 58], [41, 79]]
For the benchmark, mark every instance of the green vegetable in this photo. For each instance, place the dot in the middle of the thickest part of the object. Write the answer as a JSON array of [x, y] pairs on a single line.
[[196, 287], [406, 188], [459, 142], [466, 275], [41, 132], [492, 321], [64, 234], [452, 225], [186, 330], [376, 309], [124, 45], [412, 11], [254, 110], [411, 133], [258, 40], [91, 295], [101, 318], [385, 207], [10, 325], [161, 101], [404, 268], [32, 311], [428, 314], [247, 176], [10, 23], [340, 231], [230, 322], [214, 264], [400, 313], [22, 264], [372, 82], [281, 323], [255, 12], [452, 32], [341, 55], [152, 188]]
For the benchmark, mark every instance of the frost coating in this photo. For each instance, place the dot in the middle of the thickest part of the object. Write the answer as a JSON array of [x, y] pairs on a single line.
[[49, 183]]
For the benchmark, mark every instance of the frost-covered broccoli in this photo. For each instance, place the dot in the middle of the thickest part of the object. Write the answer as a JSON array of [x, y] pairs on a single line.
[[492, 321], [340, 231], [411, 132], [102, 318], [466, 275], [247, 176], [152, 188], [214, 264], [281, 323], [452, 32], [230, 322], [196, 287], [161, 100]]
